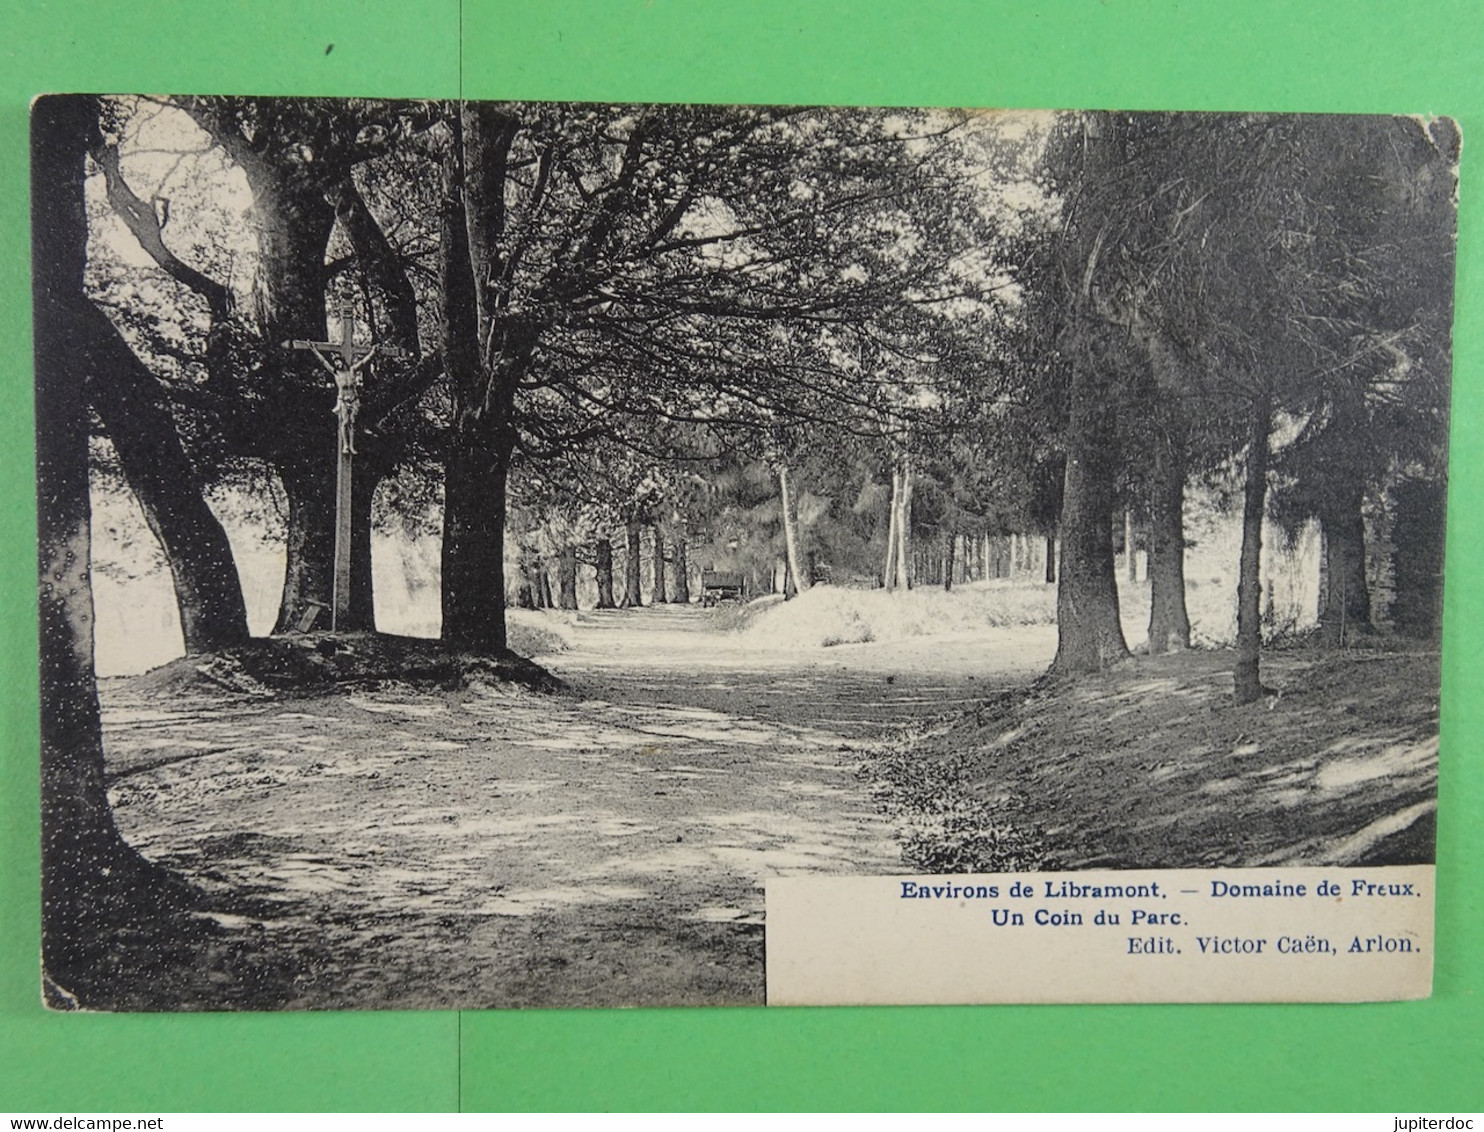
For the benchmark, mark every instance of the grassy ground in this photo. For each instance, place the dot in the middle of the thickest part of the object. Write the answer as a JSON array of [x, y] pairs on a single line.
[[1152, 765]]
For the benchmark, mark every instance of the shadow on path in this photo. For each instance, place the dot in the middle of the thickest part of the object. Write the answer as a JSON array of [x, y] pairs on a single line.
[[419, 848]]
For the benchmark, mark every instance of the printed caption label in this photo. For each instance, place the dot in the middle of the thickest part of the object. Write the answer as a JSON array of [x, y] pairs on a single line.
[[1180, 935]]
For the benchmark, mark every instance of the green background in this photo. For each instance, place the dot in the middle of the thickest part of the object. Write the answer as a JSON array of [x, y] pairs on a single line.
[[1349, 55]]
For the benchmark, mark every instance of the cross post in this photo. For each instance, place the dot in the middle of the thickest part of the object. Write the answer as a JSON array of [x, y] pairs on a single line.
[[344, 361]]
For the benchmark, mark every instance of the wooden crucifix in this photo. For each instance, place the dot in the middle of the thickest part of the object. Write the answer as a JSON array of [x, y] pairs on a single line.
[[344, 361]]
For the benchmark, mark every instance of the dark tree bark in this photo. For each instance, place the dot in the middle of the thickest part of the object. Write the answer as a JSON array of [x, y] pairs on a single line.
[[681, 593], [294, 226], [89, 874], [1347, 608], [474, 547], [1418, 538], [1169, 622], [1089, 637], [309, 539], [567, 578], [309, 569], [308, 480], [1051, 560], [633, 596], [382, 266], [477, 468], [603, 557], [659, 595], [1247, 681], [950, 548], [130, 403]]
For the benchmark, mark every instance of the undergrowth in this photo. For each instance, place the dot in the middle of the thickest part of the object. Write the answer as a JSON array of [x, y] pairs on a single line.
[[944, 827]]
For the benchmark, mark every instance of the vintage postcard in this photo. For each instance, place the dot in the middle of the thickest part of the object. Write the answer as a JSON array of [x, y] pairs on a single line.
[[503, 554]]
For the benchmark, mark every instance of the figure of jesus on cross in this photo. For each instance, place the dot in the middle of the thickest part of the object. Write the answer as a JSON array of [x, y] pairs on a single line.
[[344, 360]]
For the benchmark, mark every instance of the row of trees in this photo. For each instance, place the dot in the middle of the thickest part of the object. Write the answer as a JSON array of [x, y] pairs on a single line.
[[583, 292], [573, 292], [1258, 301], [603, 312], [1268, 294], [821, 516]]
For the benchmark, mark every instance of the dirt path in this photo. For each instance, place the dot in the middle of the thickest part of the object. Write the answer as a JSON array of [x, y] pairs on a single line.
[[670, 655], [495, 847]]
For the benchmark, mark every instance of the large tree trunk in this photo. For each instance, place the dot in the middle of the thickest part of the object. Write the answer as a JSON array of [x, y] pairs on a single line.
[[483, 386], [567, 578], [659, 595], [1418, 565], [633, 596], [603, 568], [131, 405], [1247, 681], [294, 226], [798, 581], [474, 547], [681, 594], [89, 874], [1347, 609], [309, 567], [1089, 637], [309, 540], [1169, 622]]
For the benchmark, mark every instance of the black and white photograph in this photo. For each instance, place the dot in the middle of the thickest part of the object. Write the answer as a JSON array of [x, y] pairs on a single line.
[[480, 544]]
